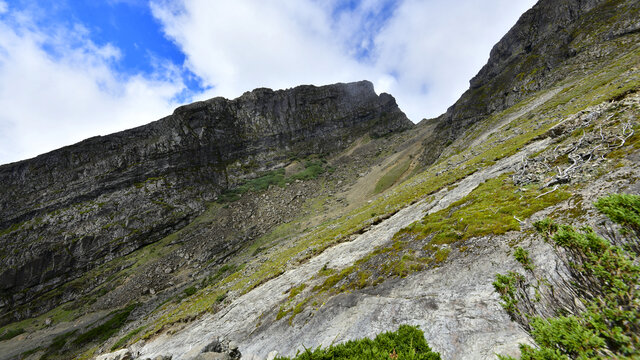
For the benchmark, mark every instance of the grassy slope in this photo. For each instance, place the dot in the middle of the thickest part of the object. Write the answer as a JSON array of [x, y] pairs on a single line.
[[610, 81], [604, 84]]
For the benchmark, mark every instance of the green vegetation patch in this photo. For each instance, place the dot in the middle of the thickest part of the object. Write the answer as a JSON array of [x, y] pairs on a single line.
[[275, 177], [11, 333], [313, 169], [104, 331], [406, 343], [190, 291], [59, 342], [65, 345], [505, 285], [494, 207], [296, 290], [125, 339], [28, 353], [392, 176], [522, 256], [12, 228], [287, 308], [226, 269], [623, 209]]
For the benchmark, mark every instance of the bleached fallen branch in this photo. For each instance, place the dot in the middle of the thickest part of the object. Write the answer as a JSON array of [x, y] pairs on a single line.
[[601, 134], [548, 192], [574, 158], [627, 132], [591, 153]]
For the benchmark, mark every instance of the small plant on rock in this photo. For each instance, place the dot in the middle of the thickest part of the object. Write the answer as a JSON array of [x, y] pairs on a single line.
[[406, 343]]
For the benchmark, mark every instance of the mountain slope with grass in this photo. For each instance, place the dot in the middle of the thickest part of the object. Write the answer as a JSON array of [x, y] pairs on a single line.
[[68, 211], [396, 230]]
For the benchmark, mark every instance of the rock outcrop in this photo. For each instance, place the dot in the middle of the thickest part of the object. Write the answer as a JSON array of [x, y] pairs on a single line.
[[551, 42], [67, 211], [122, 354]]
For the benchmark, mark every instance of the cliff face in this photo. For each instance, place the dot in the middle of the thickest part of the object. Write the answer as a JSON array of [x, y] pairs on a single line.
[[553, 41], [409, 228], [69, 210]]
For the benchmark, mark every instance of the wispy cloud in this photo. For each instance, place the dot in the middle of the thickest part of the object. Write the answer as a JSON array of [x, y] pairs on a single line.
[[240, 45], [63, 79], [432, 48], [58, 87], [421, 51]]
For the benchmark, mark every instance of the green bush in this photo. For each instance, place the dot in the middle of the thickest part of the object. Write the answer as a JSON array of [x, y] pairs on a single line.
[[505, 285], [609, 289], [522, 256], [406, 343], [104, 331], [622, 209], [190, 290], [11, 333]]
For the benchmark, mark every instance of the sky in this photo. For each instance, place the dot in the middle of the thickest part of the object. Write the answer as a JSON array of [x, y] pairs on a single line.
[[72, 69]]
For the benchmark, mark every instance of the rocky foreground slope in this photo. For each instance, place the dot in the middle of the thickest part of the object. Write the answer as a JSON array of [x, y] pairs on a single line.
[[335, 219]]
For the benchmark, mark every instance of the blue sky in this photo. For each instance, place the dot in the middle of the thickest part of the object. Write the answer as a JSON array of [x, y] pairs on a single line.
[[129, 26], [71, 69]]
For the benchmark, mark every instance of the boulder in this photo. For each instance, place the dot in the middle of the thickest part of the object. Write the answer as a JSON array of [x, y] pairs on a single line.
[[122, 354]]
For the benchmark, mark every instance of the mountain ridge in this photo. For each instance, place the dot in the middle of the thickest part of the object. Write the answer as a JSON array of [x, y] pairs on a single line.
[[540, 50], [192, 155], [411, 227]]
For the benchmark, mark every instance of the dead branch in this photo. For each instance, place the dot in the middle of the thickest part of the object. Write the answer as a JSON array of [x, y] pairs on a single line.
[[591, 153], [627, 132], [548, 192]]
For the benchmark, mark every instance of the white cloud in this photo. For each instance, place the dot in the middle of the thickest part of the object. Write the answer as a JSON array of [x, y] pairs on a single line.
[[424, 56], [435, 47], [51, 99], [239, 45]]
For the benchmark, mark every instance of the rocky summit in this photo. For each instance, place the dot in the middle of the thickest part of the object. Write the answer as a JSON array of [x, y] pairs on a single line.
[[320, 220]]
